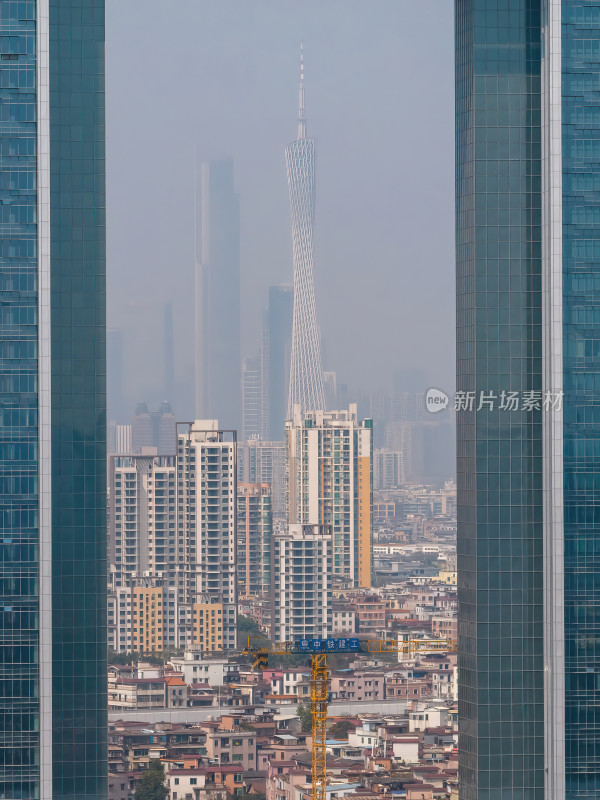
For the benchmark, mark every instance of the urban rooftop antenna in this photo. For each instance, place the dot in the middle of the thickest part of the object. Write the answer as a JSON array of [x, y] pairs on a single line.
[[301, 112]]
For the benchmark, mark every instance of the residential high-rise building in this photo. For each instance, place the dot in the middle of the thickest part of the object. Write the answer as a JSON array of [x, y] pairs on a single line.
[[218, 358], [302, 583], [171, 622], [172, 523], [254, 535], [120, 634], [331, 483], [147, 618], [278, 326], [143, 516], [306, 371], [265, 462], [528, 288], [206, 513], [53, 703]]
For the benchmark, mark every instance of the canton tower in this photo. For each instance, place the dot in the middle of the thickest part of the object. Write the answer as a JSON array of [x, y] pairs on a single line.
[[306, 372]]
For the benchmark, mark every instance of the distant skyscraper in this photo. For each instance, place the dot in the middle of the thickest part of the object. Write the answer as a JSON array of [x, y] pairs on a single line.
[[528, 328], [53, 700], [330, 483], [168, 353], [164, 430], [330, 389], [254, 399], [306, 371], [153, 429], [218, 358], [117, 409], [142, 432], [265, 462], [278, 324], [388, 469]]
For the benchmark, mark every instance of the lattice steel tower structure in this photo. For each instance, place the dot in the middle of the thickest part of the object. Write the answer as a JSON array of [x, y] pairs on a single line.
[[306, 372]]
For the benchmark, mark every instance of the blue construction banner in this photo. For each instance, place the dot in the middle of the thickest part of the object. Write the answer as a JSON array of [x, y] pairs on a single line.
[[345, 645]]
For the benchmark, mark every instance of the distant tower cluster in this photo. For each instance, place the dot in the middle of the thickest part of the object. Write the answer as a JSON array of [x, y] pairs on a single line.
[[306, 373]]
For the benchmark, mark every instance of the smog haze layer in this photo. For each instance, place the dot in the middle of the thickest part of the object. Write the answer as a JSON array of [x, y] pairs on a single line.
[[219, 79]]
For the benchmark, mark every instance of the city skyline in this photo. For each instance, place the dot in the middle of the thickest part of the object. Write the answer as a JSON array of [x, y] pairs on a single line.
[[256, 539], [245, 104]]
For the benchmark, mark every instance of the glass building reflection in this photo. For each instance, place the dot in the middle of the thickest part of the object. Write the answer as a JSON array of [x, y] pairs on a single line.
[[52, 401], [528, 292]]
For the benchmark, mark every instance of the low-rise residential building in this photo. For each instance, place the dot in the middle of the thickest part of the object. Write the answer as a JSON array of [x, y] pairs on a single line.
[[230, 747], [403, 684], [285, 681], [445, 627], [196, 668], [176, 692], [343, 619], [355, 685], [370, 614], [126, 692], [406, 749], [184, 784]]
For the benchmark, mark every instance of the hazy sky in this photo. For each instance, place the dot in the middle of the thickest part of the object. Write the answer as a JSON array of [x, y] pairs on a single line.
[[221, 76]]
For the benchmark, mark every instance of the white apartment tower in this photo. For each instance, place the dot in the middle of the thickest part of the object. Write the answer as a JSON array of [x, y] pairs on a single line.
[[142, 521], [331, 484], [302, 583], [206, 521]]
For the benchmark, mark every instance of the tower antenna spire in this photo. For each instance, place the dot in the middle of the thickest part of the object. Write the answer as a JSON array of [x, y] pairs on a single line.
[[301, 112]]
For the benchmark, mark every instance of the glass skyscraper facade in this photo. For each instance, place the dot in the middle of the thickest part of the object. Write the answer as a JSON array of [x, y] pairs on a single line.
[[580, 107], [528, 374], [217, 295], [52, 401]]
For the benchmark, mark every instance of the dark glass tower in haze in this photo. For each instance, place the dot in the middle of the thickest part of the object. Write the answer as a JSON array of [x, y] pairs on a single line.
[[53, 699], [528, 323], [218, 359]]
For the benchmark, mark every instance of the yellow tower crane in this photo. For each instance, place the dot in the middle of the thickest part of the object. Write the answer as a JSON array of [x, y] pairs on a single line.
[[318, 649]]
